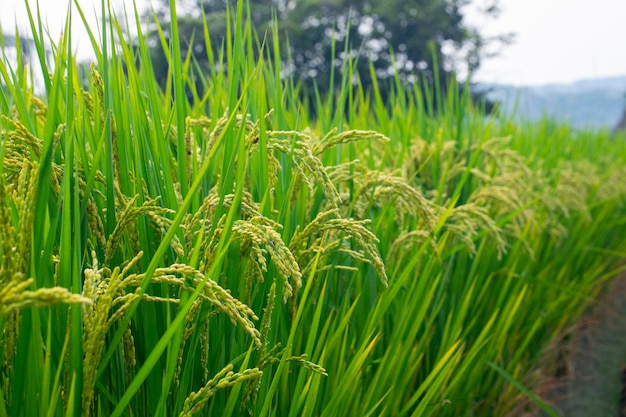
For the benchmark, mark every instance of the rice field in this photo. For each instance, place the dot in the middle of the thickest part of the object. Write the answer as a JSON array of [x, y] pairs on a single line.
[[211, 248]]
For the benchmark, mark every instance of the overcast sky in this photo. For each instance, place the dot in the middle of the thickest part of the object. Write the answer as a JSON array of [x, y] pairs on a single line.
[[557, 40]]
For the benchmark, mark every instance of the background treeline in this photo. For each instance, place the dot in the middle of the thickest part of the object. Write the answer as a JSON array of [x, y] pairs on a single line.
[[322, 41]]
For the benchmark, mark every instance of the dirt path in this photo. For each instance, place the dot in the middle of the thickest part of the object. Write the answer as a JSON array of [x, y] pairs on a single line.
[[591, 381], [622, 402]]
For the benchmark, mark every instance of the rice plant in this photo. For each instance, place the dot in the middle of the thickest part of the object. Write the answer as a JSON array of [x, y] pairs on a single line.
[[210, 248]]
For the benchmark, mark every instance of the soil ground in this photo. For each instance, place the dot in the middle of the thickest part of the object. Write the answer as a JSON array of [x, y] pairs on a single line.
[[590, 379]]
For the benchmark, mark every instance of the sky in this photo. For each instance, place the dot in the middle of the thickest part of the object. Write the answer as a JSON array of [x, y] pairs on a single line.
[[557, 41]]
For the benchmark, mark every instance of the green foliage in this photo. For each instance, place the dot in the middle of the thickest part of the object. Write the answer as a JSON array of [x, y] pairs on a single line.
[[326, 37], [228, 255]]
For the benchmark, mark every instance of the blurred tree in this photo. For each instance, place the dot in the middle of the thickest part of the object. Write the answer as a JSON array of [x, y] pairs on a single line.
[[405, 37]]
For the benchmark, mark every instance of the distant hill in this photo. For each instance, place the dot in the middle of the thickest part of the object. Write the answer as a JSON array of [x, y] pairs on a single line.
[[594, 103]]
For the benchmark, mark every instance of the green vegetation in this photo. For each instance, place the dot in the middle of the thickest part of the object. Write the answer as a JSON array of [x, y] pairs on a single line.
[[235, 256], [380, 39]]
